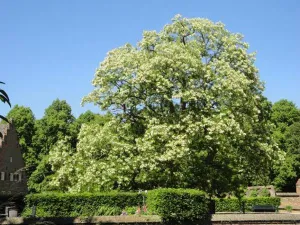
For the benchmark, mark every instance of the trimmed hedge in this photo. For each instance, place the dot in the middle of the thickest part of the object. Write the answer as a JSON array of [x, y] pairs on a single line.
[[179, 205], [236, 205], [83, 204]]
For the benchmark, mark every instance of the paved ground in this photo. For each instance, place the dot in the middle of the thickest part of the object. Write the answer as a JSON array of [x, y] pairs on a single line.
[[257, 217], [290, 201], [230, 218]]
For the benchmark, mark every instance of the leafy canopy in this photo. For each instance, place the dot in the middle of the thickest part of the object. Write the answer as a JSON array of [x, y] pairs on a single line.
[[189, 112], [286, 118], [56, 124]]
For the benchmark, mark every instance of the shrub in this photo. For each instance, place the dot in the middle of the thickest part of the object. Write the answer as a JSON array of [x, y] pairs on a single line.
[[105, 210], [83, 204], [228, 205], [289, 208], [264, 192], [178, 205], [254, 193], [244, 204], [131, 210], [250, 202]]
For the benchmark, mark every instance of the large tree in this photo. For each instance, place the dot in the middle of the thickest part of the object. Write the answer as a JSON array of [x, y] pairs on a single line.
[[189, 113]]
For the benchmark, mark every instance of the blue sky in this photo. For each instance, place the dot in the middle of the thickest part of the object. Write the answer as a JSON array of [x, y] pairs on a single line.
[[50, 49]]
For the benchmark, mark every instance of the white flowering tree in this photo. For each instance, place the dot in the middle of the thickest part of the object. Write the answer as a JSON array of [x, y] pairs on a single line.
[[189, 112]]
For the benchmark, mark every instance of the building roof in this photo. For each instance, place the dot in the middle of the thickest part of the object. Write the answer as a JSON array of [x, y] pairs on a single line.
[[3, 129]]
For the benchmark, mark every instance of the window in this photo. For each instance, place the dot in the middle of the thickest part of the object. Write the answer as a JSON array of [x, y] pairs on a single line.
[[16, 177], [11, 159], [2, 175], [11, 177], [20, 177]]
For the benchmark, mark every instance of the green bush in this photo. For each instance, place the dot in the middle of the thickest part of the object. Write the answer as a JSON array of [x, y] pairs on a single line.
[[105, 210], [178, 205], [264, 192], [289, 208], [254, 193], [83, 204], [228, 205], [130, 210], [244, 204]]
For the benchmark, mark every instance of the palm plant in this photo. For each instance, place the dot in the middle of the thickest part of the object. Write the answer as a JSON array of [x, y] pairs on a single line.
[[4, 98]]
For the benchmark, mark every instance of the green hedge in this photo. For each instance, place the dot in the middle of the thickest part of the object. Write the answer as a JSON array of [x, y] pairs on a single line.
[[83, 204], [236, 205], [179, 205]]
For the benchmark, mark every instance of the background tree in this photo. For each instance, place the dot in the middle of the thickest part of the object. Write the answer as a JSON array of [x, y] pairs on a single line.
[[189, 113], [286, 117], [284, 114], [89, 117], [56, 124], [63, 156]]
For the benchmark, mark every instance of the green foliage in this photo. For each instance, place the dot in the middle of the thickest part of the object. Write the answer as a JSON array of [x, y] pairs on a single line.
[[264, 192], [286, 117], [189, 112], [91, 118], [178, 205], [284, 114], [40, 212], [57, 124], [131, 210], [54, 126], [23, 119], [228, 205], [289, 208], [254, 193], [39, 179], [108, 211], [238, 205], [63, 155], [5, 99], [84, 204]]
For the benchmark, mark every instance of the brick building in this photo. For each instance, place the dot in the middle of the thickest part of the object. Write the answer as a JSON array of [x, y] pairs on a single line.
[[12, 168]]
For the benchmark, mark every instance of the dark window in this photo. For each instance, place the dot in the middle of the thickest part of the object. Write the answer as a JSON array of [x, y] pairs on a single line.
[[2, 176]]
